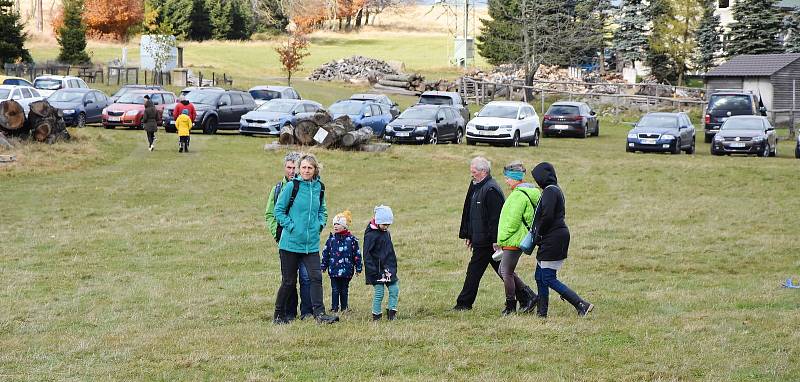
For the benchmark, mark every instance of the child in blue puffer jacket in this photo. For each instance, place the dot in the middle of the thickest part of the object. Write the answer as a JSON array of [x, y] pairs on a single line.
[[340, 256]]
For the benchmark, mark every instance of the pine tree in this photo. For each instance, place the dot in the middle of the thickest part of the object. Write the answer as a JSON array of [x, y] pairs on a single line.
[[241, 21], [201, 22], [72, 34], [501, 35], [708, 37], [791, 30], [177, 13], [220, 14], [756, 28], [662, 65], [630, 38], [12, 37]]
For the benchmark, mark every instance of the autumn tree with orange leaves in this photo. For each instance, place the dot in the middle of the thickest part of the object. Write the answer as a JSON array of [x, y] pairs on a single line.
[[292, 52], [112, 18]]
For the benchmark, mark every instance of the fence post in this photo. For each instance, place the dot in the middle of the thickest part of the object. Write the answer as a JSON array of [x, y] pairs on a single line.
[[542, 100]]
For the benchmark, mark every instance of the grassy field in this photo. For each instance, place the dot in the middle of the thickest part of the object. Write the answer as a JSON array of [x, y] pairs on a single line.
[[123, 264]]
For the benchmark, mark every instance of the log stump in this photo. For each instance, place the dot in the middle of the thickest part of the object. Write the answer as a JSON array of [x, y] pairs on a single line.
[[358, 137], [12, 116], [287, 135], [304, 132]]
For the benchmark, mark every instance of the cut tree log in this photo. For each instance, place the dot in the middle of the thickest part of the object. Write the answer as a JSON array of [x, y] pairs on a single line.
[[304, 132], [321, 117], [335, 133], [287, 135], [397, 84], [394, 90], [357, 137], [345, 121], [46, 122], [12, 115], [399, 77]]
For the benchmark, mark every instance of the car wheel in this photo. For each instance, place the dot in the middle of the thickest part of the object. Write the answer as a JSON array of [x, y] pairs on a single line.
[[774, 152], [515, 140], [677, 149], [596, 130], [535, 141], [585, 132], [766, 151], [82, 120], [433, 138], [797, 151], [108, 127], [459, 137], [210, 127], [470, 142], [691, 148]]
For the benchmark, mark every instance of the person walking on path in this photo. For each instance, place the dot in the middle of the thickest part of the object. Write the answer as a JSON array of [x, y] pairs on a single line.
[[289, 166], [515, 221], [380, 262], [302, 212], [341, 258], [150, 122], [184, 126], [479, 221], [551, 234]]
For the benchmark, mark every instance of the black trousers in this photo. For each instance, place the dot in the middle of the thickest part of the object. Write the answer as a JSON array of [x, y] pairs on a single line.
[[481, 258], [151, 136], [289, 264]]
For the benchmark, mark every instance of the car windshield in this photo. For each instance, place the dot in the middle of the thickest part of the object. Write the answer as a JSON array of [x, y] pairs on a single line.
[[62, 96], [562, 110], [743, 124], [729, 102], [4, 93], [498, 111], [419, 113], [203, 97], [349, 108], [658, 121], [265, 95], [47, 84], [132, 98], [277, 107], [435, 100]]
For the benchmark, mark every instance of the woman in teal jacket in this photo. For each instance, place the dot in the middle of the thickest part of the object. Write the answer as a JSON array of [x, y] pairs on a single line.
[[515, 220], [302, 214]]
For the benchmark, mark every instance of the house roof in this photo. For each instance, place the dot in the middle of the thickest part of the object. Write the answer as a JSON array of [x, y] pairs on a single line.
[[753, 65]]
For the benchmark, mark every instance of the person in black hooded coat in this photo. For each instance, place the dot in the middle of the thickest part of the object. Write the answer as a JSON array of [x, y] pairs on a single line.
[[551, 234]]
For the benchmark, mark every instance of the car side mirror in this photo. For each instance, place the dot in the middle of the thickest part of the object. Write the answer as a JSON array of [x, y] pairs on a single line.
[[294, 112], [522, 117], [592, 113], [88, 101], [476, 114], [439, 119], [762, 109], [223, 103], [684, 127], [367, 115], [770, 128], [16, 97]]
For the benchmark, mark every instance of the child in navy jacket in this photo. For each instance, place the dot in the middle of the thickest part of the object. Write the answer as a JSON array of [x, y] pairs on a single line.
[[340, 256], [380, 262]]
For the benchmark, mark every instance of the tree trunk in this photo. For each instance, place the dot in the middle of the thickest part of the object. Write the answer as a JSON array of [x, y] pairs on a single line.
[[304, 132], [366, 15], [12, 115], [355, 138], [349, 20], [287, 135], [358, 18]]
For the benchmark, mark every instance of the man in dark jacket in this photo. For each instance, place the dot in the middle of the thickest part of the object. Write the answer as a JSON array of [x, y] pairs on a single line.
[[479, 220], [551, 234]]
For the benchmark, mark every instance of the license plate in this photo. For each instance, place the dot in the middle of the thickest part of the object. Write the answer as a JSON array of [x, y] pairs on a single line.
[[399, 134], [647, 141], [560, 127], [255, 125], [484, 133], [114, 119], [737, 144]]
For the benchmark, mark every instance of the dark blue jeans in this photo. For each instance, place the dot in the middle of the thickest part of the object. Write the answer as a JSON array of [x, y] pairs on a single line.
[[546, 279], [340, 287], [305, 289]]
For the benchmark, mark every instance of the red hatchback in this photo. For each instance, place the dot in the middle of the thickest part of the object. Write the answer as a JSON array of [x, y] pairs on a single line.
[[129, 109]]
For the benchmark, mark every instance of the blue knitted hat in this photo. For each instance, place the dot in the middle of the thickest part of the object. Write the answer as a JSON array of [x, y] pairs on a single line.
[[383, 215]]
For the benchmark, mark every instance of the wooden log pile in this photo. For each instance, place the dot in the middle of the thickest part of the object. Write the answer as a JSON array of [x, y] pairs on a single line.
[[340, 132], [43, 124], [353, 68]]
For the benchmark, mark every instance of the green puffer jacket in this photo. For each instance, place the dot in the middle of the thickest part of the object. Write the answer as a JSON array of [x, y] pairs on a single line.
[[269, 213], [511, 230]]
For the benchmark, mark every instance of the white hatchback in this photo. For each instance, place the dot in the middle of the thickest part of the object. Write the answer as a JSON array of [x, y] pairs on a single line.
[[505, 122], [24, 95], [48, 84]]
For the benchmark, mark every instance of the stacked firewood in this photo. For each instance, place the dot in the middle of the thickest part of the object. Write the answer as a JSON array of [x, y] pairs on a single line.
[[339, 132], [356, 67], [44, 123]]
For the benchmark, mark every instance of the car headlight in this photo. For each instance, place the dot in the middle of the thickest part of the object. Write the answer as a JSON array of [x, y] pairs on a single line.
[[421, 128], [389, 129], [104, 111], [69, 111], [131, 113], [470, 125], [668, 137], [758, 138], [632, 135], [505, 127], [718, 138]]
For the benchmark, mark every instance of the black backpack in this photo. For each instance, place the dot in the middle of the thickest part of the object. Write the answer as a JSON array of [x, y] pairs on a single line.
[[295, 188]]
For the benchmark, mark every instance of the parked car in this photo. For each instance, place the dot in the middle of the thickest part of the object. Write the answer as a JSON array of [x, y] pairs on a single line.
[[129, 88], [664, 132], [129, 109], [426, 124], [505, 122], [217, 109], [262, 94], [11, 80], [190, 89], [363, 113], [271, 116], [80, 106], [445, 98], [24, 95], [570, 118], [723, 104], [48, 84], [750, 134], [379, 98]]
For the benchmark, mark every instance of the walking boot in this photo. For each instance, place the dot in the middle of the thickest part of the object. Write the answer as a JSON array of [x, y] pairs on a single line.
[[376, 316], [391, 314], [583, 307], [541, 308], [279, 318], [323, 318], [511, 307], [531, 299]]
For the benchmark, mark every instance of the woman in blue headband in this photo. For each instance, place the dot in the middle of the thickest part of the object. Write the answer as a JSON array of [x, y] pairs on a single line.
[[515, 221]]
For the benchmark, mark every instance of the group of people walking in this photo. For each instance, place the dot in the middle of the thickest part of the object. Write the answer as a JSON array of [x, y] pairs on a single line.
[[183, 114], [493, 227]]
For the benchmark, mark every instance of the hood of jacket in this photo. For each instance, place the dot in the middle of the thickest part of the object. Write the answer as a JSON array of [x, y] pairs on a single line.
[[545, 175]]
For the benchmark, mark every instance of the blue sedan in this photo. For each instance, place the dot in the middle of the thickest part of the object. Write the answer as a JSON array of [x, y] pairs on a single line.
[[273, 115], [662, 132], [363, 113], [80, 106]]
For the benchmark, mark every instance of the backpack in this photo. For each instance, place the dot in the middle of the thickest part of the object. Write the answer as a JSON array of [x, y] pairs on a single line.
[[295, 189]]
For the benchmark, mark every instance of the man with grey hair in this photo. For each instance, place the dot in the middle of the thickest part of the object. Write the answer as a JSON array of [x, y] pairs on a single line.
[[289, 169], [479, 220]]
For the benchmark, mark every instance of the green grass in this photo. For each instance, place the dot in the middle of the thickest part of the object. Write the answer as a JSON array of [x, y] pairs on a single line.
[[131, 265]]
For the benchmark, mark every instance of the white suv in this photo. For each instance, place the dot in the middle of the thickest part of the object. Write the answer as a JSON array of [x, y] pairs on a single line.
[[48, 84], [24, 95], [505, 122]]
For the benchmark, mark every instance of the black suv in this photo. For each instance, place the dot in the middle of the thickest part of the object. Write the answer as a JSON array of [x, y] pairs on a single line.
[[724, 103], [217, 109]]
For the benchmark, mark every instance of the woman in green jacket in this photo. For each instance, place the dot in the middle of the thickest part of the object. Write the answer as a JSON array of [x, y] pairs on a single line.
[[515, 221]]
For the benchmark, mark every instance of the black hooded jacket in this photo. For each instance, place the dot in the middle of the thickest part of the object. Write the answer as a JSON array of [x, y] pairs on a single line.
[[549, 227], [379, 255], [481, 213]]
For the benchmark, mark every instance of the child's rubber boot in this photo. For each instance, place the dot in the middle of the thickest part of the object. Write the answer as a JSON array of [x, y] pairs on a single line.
[[376, 316], [391, 314]]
